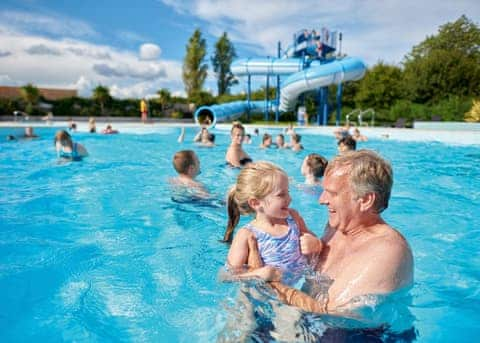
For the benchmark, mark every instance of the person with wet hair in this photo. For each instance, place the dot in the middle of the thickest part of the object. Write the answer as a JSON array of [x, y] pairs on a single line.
[[236, 156]]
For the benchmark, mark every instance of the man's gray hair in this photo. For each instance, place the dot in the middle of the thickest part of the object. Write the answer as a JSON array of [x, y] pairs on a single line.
[[367, 173]]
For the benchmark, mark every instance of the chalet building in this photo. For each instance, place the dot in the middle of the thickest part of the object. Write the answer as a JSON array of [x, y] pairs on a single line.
[[7, 92]]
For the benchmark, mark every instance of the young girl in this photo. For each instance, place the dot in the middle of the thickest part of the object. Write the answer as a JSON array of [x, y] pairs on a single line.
[[68, 149], [262, 188]]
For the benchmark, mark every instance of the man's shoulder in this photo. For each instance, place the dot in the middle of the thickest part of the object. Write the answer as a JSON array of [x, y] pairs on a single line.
[[390, 241]]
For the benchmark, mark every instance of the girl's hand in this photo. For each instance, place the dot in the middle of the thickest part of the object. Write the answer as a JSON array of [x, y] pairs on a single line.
[[309, 244]]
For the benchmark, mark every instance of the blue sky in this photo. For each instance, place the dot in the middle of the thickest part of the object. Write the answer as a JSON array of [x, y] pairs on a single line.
[[137, 47]]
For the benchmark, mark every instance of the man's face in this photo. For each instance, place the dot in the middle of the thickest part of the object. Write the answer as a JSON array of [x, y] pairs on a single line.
[[338, 196]]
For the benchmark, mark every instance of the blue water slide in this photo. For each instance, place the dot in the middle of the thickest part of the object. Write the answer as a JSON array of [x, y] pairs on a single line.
[[317, 76], [230, 110], [300, 80]]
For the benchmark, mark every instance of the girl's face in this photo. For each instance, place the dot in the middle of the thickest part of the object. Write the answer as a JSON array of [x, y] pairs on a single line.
[[276, 204], [280, 141]]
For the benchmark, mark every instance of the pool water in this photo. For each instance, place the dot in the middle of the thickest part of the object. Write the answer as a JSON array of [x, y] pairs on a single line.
[[97, 250]]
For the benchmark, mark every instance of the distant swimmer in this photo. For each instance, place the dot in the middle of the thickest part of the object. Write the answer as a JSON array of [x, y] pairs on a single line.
[[236, 156], [346, 144], [67, 149], [266, 141], [109, 130], [313, 168], [187, 165], [29, 133], [92, 125], [358, 136], [295, 144]]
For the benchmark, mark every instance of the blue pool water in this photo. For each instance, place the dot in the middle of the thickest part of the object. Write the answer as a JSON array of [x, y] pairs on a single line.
[[98, 251]]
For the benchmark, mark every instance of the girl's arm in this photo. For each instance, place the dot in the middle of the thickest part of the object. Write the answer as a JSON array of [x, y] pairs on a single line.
[[244, 254], [309, 243], [238, 253]]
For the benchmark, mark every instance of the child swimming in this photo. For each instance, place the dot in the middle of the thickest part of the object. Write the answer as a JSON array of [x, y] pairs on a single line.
[[187, 165]]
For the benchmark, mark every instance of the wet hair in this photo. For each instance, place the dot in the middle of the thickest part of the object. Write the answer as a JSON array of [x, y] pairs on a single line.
[[367, 173], [237, 125], [296, 138], [63, 136], [256, 180], [349, 142], [266, 137], [182, 160], [317, 164]]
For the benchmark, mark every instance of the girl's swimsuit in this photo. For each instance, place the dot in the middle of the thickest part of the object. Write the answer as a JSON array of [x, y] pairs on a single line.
[[73, 155], [282, 252]]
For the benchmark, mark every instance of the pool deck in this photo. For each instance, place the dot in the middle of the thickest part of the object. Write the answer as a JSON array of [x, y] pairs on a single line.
[[454, 136]]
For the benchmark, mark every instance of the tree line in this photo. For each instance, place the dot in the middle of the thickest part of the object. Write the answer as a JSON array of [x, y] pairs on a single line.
[[438, 79]]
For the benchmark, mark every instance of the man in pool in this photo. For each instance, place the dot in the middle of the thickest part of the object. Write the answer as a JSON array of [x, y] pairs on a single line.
[[359, 251]]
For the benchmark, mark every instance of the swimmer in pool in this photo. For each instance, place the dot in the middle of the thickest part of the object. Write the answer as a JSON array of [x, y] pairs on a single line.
[[66, 148], [313, 168], [236, 156], [187, 165]]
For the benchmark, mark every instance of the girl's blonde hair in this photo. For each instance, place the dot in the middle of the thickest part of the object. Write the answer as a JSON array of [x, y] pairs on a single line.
[[255, 180]]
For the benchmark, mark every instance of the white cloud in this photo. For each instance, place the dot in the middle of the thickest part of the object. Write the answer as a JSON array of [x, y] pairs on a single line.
[[149, 52], [70, 63], [373, 29]]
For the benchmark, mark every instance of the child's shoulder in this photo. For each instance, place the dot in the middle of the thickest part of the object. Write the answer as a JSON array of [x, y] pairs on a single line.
[[243, 234]]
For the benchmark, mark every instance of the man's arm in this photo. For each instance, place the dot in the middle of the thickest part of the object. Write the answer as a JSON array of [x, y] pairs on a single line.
[[386, 268]]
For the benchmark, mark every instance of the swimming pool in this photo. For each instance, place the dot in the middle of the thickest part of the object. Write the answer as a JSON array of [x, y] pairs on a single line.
[[97, 250]]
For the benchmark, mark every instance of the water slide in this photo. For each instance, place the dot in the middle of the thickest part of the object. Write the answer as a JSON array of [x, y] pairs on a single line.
[[299, 79]]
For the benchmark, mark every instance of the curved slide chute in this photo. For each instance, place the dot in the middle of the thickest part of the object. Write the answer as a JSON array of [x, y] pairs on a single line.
[[229, 111], [301, 79]]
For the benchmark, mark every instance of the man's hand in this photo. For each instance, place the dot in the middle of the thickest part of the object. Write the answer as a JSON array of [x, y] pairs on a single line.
[[268, 273], [309, 244]]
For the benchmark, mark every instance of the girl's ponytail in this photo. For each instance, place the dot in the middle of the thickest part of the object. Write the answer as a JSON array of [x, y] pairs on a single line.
[[233, 215]]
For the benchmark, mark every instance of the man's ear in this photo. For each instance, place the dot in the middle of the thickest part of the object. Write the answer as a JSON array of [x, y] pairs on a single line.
[[367, 201], [254, 203]]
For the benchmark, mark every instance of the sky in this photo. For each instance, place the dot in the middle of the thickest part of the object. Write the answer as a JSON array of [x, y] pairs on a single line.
[[137, 47]]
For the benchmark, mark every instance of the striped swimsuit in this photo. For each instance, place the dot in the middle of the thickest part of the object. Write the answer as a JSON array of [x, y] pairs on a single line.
[[282, 252]]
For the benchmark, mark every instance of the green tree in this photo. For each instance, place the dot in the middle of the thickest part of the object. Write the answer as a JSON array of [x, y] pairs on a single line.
[[221, 61], [164, 98], [194, 66], [445, 64], [101, 94], [380, 87], [30, 94]]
